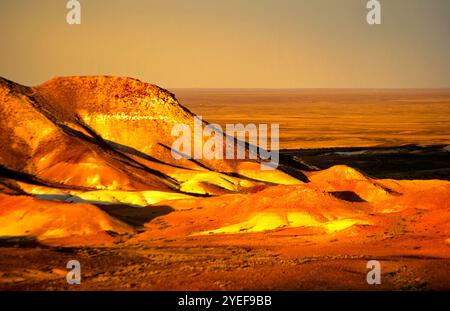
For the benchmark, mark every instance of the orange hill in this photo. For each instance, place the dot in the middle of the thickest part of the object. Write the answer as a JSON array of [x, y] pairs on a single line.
[[87, 160]]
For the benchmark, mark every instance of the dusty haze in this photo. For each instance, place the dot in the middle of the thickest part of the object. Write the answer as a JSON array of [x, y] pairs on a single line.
[[245, 44], [331, 118]]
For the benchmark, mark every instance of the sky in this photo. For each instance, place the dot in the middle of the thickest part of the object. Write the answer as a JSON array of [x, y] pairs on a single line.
[[230, 43]]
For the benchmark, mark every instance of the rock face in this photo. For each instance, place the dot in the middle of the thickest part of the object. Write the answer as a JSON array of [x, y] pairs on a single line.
[[96, 133], [48, 140], [130, 115], [106, 140]]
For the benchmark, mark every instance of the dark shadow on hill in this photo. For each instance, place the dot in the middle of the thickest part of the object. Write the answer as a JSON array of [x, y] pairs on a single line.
[[92, 137], [10, 187], [20, 241], [99, 141], [142, 155], [286, 165], [348, 196], [13, 175], [293, 171], [398, 162], [136, 217], [185, 156]]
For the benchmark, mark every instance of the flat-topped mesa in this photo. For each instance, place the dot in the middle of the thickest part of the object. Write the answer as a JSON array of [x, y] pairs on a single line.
[[44, 145], [112, 96], [125, 111]]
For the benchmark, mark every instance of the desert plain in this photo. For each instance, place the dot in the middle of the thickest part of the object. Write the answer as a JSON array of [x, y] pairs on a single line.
[[86, 174]]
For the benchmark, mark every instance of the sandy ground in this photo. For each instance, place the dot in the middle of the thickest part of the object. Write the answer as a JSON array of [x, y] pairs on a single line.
[[271, 261], [314, 236], [87, 174]]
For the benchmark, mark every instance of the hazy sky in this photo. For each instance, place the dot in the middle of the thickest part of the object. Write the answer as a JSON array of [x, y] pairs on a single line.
[[230, 43]]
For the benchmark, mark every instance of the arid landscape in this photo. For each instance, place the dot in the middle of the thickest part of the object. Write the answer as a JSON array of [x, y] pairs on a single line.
[[86, 173]]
